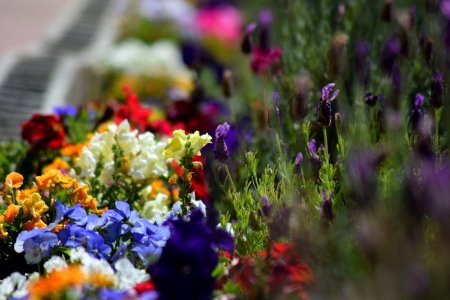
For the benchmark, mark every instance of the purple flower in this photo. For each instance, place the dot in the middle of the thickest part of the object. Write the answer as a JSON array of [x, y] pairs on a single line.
[[246, 45], [437, 89], [390, 53], [417, 111], [276, 102], [184, 269], [298, 162], [266, 205], [221, 151], [326, 211], [313, 150], [324, 112], [361, 61], [265, 19], [361, 166], [370, 99]]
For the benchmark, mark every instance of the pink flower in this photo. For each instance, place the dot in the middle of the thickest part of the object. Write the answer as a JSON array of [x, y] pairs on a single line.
[[222, 22], [264, 61]]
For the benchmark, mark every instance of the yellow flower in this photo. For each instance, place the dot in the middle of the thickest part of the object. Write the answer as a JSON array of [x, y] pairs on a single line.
[[176, 146], [3, 232], [34, 206]]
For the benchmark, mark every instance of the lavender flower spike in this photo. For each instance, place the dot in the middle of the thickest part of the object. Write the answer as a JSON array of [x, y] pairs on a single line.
[[221, 151], [326, 92]]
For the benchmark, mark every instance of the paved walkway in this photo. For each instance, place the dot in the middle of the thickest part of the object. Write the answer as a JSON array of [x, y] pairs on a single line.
[[24, 22], [44, 43]]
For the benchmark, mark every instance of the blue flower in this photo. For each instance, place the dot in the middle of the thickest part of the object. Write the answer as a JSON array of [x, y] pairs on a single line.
[[72, 236], [36, 243], [96, 246], [61, 210], [93, 221], [123, 209], [78, 214]]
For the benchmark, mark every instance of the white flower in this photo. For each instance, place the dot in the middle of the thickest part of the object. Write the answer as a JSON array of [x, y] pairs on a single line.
[[161, 59], [198, 204], [54, 263], [127, 276], [155, 210], [14, 285], [90, 265], [127, 139], [150, 162], [180, 12]]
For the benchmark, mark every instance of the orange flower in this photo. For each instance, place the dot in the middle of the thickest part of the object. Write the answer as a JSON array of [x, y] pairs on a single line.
[[101, 280], [13, 180], [11, 213], [58, 164], [34, 223], [73, 151], [56, 282], [53, 177]]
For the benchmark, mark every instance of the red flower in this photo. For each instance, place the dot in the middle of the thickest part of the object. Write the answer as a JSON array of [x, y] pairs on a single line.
[[133, 111], [143, 287], [287, 274], [198, 181], [43, 132], [264, 61]]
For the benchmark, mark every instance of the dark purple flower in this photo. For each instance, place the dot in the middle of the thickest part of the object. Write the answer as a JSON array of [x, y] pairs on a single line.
[[427, 186], [437, 90], [370, 99], [387, 11], [361, 61], [417, 111], [265, 19], [266, 205], [326, 211], [246, 45], [361, 170], [390, 53], [221, 151], [324, 112], [184, 269]]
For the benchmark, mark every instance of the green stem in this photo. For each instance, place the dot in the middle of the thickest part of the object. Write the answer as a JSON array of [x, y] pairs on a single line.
[[437, 121], [325, 141], [230, 178]]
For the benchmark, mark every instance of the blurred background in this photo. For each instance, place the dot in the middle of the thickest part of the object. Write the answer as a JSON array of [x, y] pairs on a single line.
[[23, 23]]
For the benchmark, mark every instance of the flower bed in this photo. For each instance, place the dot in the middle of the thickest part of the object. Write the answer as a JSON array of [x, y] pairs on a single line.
[[294, 152]]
